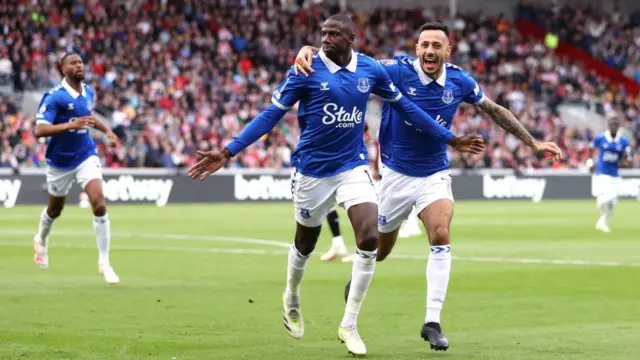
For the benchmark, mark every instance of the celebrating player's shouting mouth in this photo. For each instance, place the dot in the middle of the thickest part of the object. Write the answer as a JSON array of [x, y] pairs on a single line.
[[331, 160], [416, 168]]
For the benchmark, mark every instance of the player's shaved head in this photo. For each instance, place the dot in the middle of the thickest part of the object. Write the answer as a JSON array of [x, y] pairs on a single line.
[[338, 34], [347, 25], [613, 122]]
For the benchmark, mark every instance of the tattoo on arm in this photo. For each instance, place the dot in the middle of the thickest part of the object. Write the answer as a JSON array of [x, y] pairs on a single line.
[[506, 120]]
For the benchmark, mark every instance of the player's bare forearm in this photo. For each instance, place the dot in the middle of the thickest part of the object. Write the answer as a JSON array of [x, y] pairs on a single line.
[[48, 130], [100, 126], [506, 120]]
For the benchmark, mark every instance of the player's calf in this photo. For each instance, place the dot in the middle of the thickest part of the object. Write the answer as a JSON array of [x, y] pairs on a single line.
[[386, 242], [41, 239], [102, 228], [363, 219], [436, 218]]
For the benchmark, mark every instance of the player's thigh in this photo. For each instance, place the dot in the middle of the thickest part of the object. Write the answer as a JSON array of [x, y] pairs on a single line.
[[313, 198], [604, 187], [59, 182], [396, 197], [90, 170], [354, 187], [435, 206]]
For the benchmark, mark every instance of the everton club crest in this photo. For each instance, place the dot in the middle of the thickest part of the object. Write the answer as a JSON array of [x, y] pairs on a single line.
[[447, 96], [363, 85]]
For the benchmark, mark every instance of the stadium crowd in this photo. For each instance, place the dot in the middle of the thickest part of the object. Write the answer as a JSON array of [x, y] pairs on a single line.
[[611, 37], [199, 72]]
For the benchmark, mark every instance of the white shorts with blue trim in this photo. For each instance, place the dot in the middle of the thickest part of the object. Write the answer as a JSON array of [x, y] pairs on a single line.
[[604, 187], [59, 182], [313, 197], [399, 193]]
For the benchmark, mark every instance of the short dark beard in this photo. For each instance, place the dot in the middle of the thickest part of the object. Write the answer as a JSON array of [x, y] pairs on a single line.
[[76, 78]]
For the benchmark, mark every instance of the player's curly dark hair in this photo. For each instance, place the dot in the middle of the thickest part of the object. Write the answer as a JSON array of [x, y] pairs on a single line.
[[62, 60]]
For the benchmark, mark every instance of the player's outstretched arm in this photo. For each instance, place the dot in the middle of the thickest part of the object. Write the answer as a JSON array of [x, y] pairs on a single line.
[[506, 120], [213, 160]]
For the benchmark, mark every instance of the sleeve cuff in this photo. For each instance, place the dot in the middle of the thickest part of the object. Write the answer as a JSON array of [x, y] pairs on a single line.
[[234, 147], [394, 99], [279, 105], [480, 101]]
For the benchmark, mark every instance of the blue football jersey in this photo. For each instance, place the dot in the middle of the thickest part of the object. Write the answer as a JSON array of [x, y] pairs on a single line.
[[403, 147], [60, 105], [610, 152], [331, 112]]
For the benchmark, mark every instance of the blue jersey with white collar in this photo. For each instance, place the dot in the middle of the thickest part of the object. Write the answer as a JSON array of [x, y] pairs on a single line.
[[63, 104], [403, 147], [610, 152], [331, 113]]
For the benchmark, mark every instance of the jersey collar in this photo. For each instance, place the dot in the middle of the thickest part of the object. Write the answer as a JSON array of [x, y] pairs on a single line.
[[427, 80], [607, 135], [74, 94], [333, 67]]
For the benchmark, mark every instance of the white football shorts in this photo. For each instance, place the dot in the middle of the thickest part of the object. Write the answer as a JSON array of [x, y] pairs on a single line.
[[59, 182], [604, 187], [313, 197], [399, 193]]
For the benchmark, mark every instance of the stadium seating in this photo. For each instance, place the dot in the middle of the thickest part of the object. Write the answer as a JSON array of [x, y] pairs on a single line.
[[173, 80]]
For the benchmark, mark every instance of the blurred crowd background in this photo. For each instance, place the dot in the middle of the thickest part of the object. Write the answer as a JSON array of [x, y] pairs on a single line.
[[174, 77]]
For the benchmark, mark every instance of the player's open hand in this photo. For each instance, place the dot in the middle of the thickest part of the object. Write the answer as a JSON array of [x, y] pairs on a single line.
[[549, 147], [112, 137], [84, 122], [211, 162], [473, 144], [303, 61]]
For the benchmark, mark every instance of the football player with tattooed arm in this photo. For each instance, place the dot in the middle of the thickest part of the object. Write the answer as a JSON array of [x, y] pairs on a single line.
[[412, 160], [331, 162]]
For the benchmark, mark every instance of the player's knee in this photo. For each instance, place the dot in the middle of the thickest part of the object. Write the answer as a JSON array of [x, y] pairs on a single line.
[[306, 239], [368, 242], [305, 247], [100, 208], [54, 211], [439, 236]]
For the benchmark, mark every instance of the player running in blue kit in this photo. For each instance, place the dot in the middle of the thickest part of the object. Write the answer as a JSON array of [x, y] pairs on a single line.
[[613, 149], [416, 168], [64, 117], [330, 161]]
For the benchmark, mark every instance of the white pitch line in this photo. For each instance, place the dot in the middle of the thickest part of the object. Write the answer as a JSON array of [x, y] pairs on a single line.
[[232, 239], [161, 248], [281, 244]]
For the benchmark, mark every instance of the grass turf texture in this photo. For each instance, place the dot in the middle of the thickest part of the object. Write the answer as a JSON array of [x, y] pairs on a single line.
[[198, 283]]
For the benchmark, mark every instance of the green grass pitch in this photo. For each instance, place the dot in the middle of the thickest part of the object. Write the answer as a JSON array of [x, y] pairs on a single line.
[[529, 281]]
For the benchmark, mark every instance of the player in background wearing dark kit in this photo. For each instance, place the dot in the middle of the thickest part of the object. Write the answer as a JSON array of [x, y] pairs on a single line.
[[64, 117], [331, 162]]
